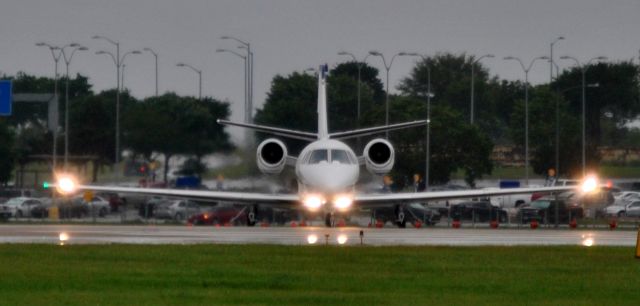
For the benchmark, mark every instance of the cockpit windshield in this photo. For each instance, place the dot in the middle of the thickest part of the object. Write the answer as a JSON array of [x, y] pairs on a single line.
[[340, 157], [318, 156]]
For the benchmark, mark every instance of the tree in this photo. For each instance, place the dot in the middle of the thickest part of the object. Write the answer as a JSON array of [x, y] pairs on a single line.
[[92, 130], [542, 132], [617, 95], [173, 125], [450, 82], [31, 139], [7, 156], [455, 144], [292, 101]]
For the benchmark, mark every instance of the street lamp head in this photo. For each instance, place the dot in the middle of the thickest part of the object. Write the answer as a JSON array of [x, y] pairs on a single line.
[[101, 52], [565, 57], [41, 44], [343, 53], [146, 49], [73, 45], [602, 58], [403, 53], [509, 58], [83, 49], [413, 54], [180, 65], [375, 53], [593, 85], [136, 52], [543, 57], [490, 56], [225, 37], [221, 50], [96, 37]]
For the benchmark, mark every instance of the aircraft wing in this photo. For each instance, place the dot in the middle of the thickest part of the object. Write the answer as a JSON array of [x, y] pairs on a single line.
[[382, 199], [273, 130], [202, 195], [377, 129]]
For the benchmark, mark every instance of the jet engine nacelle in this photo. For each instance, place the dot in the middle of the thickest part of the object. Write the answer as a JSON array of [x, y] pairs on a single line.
[[271, 156], [379, 156]]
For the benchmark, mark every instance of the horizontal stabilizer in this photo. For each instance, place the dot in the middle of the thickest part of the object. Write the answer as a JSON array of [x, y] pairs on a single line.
[[375, 130], [273, 130]]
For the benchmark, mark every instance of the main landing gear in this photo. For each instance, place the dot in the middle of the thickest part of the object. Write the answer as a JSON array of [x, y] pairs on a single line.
[[252, 215], [401, 221]]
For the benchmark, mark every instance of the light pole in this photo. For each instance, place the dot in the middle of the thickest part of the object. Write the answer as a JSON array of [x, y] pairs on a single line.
[[155, 55], [56, 59], [583, 68], [551, 62], [473, 66], [249, 73], [67, 61], [425, 60], [359, 65], [118, 61], [387, 67], [526, 109], [199, 77], [247, 114]]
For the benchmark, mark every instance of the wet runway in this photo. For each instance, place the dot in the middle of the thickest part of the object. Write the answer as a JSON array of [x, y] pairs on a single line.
[[97, 234]]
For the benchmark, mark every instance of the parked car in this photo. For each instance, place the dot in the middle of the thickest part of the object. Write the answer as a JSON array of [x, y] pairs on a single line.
[[115, 201], [149, 208], [479, 211], [221, 214], [633, 209], [543, 210], [77, 207], [178, 210], [19, 207], [413, 212], [619, 208]]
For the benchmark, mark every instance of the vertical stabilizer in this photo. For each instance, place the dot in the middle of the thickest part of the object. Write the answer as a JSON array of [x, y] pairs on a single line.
[[323, 124]]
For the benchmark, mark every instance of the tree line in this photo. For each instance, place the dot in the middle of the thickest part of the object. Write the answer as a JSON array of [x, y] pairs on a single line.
[[175, 125]]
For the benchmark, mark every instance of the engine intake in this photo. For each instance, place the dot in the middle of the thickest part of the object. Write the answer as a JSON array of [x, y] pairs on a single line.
[[271, 156], [379, 156]]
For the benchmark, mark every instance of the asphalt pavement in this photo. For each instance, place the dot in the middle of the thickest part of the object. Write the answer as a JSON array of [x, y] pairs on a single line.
[[156, 234]]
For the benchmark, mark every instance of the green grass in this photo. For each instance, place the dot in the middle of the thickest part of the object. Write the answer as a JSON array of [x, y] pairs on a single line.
[[308, 275]]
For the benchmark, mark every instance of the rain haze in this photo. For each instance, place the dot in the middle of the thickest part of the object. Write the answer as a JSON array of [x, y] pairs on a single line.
[[288, 36]]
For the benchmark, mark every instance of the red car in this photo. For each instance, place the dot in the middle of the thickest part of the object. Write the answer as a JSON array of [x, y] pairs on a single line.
[[221, 214]]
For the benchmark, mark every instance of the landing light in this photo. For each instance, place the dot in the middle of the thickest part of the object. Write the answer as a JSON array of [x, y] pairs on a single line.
[[342, 202], [590, 184], [342, 239], [312, 239], [66, 185], [63, 237], [587, 240], [312, 202]]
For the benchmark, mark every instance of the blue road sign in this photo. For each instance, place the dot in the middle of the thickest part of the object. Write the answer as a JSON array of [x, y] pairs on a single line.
[[5, 98]]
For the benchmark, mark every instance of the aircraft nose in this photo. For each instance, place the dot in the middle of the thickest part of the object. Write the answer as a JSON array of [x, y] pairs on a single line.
[[333, 180]]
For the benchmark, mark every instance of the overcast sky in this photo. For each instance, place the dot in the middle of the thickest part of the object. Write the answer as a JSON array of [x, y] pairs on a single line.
[[289, 36]]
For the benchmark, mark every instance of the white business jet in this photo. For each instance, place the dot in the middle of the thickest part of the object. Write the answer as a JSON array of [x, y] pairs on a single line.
[[327, 171]]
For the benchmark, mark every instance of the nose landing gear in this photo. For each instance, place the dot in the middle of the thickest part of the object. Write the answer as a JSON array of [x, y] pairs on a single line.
[[329, 219]]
